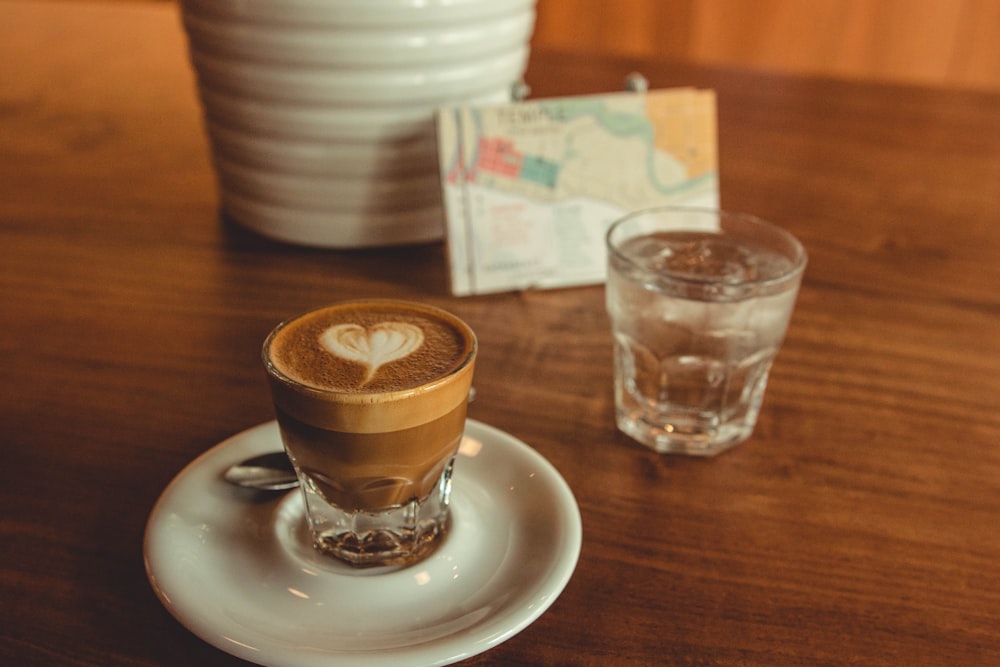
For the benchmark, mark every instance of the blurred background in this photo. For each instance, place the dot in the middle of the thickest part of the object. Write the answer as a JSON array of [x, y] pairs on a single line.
[[947, 43]]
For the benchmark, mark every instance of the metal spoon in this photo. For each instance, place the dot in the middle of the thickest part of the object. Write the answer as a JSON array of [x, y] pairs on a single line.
[[267, 472]]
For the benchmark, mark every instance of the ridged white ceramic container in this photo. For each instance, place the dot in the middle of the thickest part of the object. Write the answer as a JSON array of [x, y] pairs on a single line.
[[320, 113]]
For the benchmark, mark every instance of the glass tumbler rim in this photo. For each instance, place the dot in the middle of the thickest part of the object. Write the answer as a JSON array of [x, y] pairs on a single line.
[[798, 254]]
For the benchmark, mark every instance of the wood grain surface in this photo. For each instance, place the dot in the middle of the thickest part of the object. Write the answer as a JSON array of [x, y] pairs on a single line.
[[947, 43], [857, 526]]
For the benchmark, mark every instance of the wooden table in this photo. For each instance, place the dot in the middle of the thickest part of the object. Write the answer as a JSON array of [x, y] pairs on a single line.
[[857, 526]]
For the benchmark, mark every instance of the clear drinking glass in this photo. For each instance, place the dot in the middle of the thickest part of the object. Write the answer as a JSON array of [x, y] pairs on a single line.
[[699, 301]]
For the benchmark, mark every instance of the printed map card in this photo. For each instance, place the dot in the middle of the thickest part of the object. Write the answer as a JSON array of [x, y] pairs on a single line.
[[531, 187]]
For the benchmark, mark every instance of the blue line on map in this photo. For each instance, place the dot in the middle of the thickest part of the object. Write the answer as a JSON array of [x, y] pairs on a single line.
[[621, 124]]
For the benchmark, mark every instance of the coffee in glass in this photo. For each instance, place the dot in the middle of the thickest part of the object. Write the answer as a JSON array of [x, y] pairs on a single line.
[[371, 399]]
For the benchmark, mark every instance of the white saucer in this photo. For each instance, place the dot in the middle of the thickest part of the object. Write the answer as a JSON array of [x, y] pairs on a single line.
[[238, 569]]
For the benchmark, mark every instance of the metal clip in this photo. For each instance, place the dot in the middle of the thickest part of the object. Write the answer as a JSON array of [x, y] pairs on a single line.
[[519, 91], [636, 83]]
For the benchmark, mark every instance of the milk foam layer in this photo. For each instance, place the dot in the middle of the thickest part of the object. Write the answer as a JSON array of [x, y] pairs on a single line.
[[369, 347], [372, 347]]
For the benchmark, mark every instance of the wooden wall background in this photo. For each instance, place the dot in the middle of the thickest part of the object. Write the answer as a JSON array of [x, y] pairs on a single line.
[[953, 43]]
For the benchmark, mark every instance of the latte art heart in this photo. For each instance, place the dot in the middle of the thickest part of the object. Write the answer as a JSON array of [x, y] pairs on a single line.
[[372, 347]]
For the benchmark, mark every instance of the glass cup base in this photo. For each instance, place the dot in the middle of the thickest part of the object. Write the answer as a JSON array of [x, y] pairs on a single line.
[[383, 547], [400, 535], [683, 436]]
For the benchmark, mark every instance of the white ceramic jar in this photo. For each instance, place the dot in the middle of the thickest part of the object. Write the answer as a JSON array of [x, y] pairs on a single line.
[[320, 113]]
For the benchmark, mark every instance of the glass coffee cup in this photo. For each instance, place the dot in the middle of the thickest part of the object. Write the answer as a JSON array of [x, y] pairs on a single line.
[[371, 400]]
